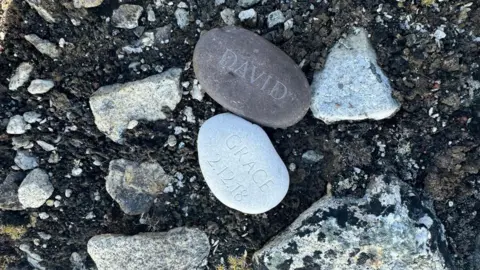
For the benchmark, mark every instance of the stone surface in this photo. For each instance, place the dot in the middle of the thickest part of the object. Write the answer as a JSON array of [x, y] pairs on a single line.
[[43, 46], [26, 161], [47, 16], [312, 156], [391, 227], [274, 18], [114, 106], [162, 34], [228, 16], [9, 192], [126, 16], [251, 77], [134, 186], [16, 125], [38, 87], [179, 248], [248, 3], [240, 164], [182, 18], [35, 189], [352, 86], [46, 146], [21, 76], [249, 15], [87, 3], [32, 117]]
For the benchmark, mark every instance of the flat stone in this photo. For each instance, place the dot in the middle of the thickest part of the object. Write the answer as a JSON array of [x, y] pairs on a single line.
[[21, 76], [26, 161], [352, 86], [43, 46], [134, 186], [126, 16], [45, 14], [182, 18], [248, 3], [162, 34], [251, 77], [240, 164], [35, 189], [179, 248], [274, 18], [114, 106], [311, 156], [9, 192], [16, 125], [228, 16], [249, 15], [32, 117], [38, 87], [87, 3], [391, 227], [46, 146]]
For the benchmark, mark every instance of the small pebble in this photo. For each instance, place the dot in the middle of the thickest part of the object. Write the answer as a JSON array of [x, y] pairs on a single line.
[[77, 171], [172, 141], [43, 215], [21, 76], [32, 117], [38, 87], [17, 125], [68, 193], [274, 18], [228, 16], [132, 124]]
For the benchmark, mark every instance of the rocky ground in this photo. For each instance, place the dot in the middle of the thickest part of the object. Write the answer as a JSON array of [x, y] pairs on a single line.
[[428, 49]]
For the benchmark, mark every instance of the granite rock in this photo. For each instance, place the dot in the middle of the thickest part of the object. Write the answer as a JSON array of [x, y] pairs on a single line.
[[35, 189], [134, 186], [352, 86], [251, 77], [240, 164], [114, 106], [180, 248], [21, 76], [126, 16], [43, 46], [391, 227]]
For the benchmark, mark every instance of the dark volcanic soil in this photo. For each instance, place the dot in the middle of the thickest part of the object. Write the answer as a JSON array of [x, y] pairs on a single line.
[[432, 143]]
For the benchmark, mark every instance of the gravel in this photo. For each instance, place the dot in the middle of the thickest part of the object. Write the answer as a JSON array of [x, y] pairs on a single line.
[[25, 160], [35, 189], [126, 16], [17, 125], [38, 87], [21, 76], [228, 16], [182, 18], [274, 18], [43, 46]]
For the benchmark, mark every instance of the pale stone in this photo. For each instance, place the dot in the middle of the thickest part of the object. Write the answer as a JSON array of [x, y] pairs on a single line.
[[32, 117], [248, 3], [38, 87], [25, 161], [16, 125], [126, 16], [35, 189], [312, 156], [248, 15], [114, 106], [87, 3], [47, 16], [182, 18], [43, 46], [240, 164], [228, 16], [352, 86], [274, 18], [21, 76], [179, 248], [46, 146]]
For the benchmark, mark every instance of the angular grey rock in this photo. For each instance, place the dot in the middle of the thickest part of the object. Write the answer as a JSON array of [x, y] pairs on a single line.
[[391, 227], [240, 164], [21, 76], [179, 248], [26, 161], [38, 87], [251, 77], [248, 3], [16, 125], [114, 106], [162, 34], [312, 156], [228, 16], [41, 11], [43, 46], [274, 18], [32, 117], [87, 3], [35, 189], [182, 18], [249, 16], [46, 146], [9, 192], [126, 16], [134, 186], [151, 14], [33, 258], [352, 86], [219, 2]]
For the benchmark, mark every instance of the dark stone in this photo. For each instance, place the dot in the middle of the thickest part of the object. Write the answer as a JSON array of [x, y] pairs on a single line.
[[251, 77]]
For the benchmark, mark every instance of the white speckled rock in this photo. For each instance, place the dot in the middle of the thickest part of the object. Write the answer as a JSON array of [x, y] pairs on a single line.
[[40, 86], [114, 106], [126, 16], [240, 164], [16, 125], [35, 189], [352, 86], [180, 248], [21, 76]]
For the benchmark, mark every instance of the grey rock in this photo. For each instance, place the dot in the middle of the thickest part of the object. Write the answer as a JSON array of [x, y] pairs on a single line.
[[352, 86], [16, 125], [250, 77], [162, 34], [33, 258], [35, 189], [228, 16], [38, 87], [26, 161], [248, 16], [134, 186], [240, 164], [150, 14], [46, 146], [391, 227], [114, 106], [43, 46], [32, 117], [182, 18], [21, 76], [87, 3], [54, 158], [248, 3], [219, 2], [47, 16], [126, 16], [312, 156], [180, 248], [20, 142], [274, 18], [9, 192]]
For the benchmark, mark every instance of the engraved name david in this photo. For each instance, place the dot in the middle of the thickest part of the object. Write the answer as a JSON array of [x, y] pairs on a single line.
[[251, 73]]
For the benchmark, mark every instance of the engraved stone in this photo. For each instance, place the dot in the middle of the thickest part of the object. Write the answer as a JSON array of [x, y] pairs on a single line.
[[240, 164], [352, 86], [251, 77]]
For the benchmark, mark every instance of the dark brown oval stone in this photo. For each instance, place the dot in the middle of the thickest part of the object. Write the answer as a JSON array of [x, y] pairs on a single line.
[[251, 77]]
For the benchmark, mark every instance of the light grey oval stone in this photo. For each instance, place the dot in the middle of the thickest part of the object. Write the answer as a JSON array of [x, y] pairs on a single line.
[[240, 164], [40, 86], [21, 76], [35, 189]]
